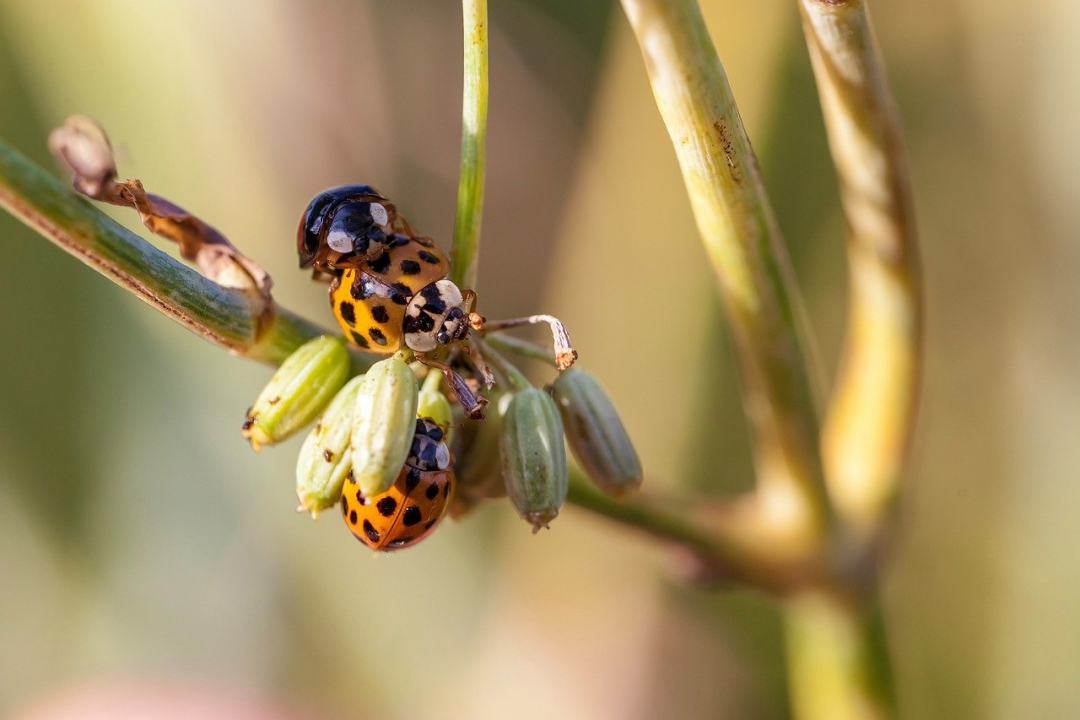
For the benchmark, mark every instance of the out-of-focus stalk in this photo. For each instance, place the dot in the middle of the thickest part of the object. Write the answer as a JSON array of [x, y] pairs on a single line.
[[837, 670], [228, 318], [837, 660], [747, 254], [474, 107], [871, 416]]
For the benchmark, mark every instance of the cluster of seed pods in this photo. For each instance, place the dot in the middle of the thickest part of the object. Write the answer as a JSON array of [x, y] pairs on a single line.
[[391, 451]]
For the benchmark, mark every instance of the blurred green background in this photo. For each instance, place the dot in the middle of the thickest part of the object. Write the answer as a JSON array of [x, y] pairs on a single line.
[[141, 541]]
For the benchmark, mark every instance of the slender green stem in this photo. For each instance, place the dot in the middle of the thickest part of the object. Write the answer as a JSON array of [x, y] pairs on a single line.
[[748, 256], [474, 107], [721, 553], [872, 414], [521, 348], [509, 372]]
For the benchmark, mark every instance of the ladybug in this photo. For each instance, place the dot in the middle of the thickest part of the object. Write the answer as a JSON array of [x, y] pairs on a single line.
[[412, 508], [389, 286]]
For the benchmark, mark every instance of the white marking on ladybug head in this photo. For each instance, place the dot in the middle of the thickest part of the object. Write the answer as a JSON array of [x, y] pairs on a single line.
[[339, 241], [379, 214], [442, 456]]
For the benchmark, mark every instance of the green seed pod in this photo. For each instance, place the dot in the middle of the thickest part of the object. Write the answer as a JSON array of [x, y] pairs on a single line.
[[384, 420], [325, 457], [596, 434], [433, 404], [533, 457], [298, 391]]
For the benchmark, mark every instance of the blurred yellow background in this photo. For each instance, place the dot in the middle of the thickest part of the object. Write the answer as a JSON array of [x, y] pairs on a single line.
[[141, 539]]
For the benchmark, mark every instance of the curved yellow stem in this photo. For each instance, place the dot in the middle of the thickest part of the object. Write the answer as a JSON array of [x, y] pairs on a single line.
[[872, 413]]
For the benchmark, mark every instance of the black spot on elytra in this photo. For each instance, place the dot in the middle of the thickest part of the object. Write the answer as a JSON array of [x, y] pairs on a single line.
[[360, 497], [411, 516], [432, 491], [370, 531], [360, 340], [377, 336], [412, 479], [399, 298], [352, 517], [380, 314], [344, 505], [380, 264], [410, 267], [428, 257], [386, 506], [348, 312]]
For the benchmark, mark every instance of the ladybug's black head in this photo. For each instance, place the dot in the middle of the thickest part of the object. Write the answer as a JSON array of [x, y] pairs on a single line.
[[342, 227]]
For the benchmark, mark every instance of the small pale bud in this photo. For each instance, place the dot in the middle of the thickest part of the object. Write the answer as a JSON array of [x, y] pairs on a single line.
[[384, 419], [433, 404], [298, 391], [325, 457], [533, 457], [596, 434]]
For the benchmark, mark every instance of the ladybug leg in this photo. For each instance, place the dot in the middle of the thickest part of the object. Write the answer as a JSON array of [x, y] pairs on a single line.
[[471, 403], [565, 354], [476, 357], [320, 276], [474, 319]]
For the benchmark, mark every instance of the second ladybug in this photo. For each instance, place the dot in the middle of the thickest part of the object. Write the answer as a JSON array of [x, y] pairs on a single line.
[[389, 288]]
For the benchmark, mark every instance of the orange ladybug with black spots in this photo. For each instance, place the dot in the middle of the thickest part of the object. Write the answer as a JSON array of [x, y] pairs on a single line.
[[414, 505], [389, 286]]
